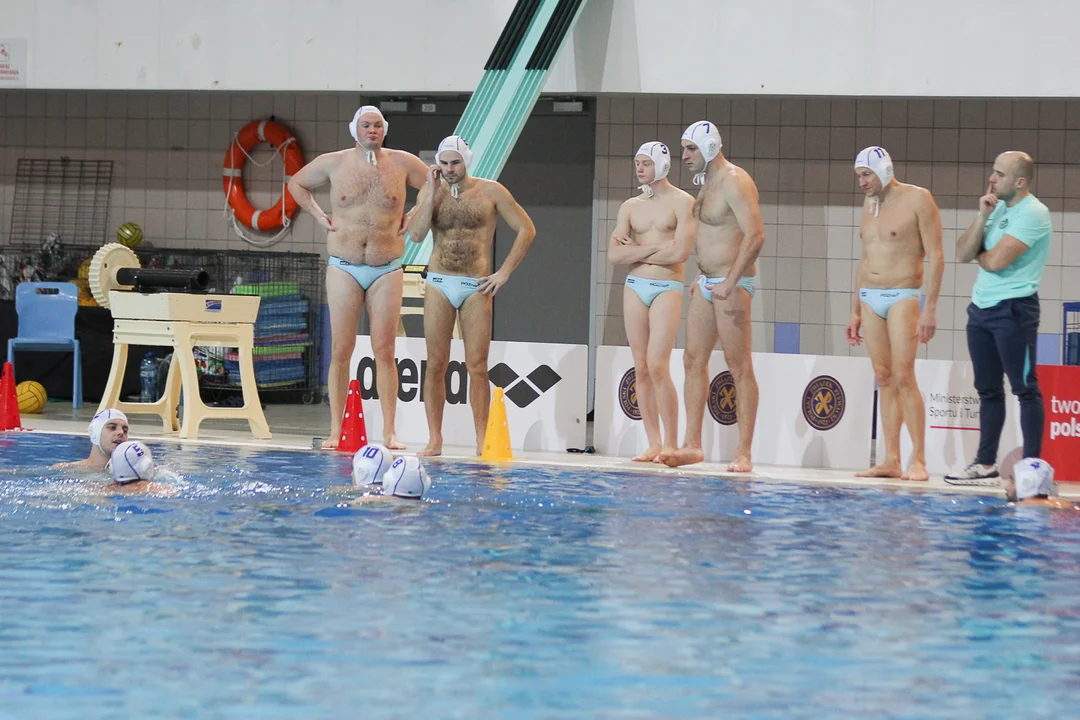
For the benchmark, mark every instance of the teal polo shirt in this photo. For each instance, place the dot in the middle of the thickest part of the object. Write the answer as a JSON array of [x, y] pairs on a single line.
[[1029, 222]]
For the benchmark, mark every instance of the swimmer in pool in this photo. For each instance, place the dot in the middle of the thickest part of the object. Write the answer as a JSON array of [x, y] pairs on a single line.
[[107, 431], [900, 228], [654, 235], [406, 479], [365, 240], [461, 211], [133, 471], [1032, 483], [729, 237]]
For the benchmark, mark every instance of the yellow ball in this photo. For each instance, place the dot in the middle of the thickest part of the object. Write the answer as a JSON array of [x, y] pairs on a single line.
[[31, 396], [129, 234]]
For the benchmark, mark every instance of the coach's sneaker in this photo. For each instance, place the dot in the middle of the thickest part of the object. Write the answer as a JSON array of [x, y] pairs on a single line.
[[976, 474]]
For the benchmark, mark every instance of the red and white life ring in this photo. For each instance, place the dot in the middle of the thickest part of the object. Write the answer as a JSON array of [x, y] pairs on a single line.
[[233, 174]]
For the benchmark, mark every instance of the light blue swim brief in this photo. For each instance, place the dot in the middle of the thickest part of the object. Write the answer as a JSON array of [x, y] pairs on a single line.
[[648, 289], [365, 275], [881, 300], [456, 288], [747, 283]]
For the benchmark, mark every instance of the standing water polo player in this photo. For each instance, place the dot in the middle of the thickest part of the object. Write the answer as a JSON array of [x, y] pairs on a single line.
[[654, 235], [900, 227], [730, 235], [462, 212], [365, 239]]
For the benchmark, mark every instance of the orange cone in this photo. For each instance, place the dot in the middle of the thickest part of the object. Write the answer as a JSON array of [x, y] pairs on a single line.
[[9, 404], [353, 429], [497, 437]]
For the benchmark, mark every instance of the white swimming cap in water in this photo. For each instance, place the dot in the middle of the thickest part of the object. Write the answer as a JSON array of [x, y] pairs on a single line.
[[98, 424], [706, 136], [1033, 477], [406, 478], [132, 461], [661, 159], [370, 463], [366, 109]]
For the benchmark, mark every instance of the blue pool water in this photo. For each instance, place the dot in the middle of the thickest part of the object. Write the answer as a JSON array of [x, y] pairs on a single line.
[[527, 593]]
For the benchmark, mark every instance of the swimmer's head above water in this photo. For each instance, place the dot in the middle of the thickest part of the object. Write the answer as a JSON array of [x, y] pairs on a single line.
[[455, 160], [652, 163], [700, 143], [1031, 478], [107, 430], [369, 128], [132, 462]]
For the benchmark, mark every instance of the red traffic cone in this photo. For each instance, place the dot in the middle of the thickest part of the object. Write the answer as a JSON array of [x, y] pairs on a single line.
[[9, 404], [353, 429]]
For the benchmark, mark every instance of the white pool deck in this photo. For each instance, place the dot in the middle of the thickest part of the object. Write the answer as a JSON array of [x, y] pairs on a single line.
[[294, 427]]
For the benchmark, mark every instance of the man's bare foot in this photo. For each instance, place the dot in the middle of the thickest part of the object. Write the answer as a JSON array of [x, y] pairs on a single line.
[[392, 443], [916, 472], [434, 447], [330, 443], [741, 463], [667, 452], [685, 456], [649, 455], [884, 470]]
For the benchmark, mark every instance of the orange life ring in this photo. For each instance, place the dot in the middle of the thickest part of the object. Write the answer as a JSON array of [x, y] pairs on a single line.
[[233, 174]]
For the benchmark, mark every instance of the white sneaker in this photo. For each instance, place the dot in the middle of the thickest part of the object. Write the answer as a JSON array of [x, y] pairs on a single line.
[[976, 475]]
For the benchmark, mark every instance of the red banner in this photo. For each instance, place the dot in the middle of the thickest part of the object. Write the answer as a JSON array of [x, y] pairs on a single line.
[[1060, 385]]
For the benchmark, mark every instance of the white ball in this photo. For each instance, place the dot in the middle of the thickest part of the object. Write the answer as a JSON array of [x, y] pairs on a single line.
[[370, 463], [407, 478], [132, 461]]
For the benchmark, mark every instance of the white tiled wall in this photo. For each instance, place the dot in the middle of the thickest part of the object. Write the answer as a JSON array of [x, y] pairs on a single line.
[[800, 153], [167, 150]]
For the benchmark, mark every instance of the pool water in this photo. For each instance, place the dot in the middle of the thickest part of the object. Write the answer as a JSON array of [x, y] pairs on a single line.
[[528, 592]]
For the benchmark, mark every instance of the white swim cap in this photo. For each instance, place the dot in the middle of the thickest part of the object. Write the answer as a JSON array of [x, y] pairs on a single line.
[[132, 461], [406, 478], [661, 158], [876, 159], [1033, 477], [99, 422], [370, 463], [706, 136], [456, 144], [371, 155], [364, 111]]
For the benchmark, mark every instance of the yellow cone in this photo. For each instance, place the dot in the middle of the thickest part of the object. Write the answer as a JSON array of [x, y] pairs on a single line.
[[497, 437]]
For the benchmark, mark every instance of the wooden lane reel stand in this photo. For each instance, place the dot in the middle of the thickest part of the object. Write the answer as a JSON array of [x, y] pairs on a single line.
[[183, 320]]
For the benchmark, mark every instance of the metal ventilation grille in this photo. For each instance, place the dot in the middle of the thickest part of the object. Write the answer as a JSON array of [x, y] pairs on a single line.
[[68, 197]]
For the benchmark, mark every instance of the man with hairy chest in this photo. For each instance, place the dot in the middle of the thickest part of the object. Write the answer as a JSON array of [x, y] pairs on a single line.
[[462, 212]]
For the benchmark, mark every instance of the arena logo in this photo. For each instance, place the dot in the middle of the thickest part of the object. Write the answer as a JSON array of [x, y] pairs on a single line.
[[722, 401], [823, 402], [522, 391], [628, 395]]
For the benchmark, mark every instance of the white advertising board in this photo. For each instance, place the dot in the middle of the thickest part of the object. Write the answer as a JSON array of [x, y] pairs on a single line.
[[544, 384], [952, 418], [813, 411]]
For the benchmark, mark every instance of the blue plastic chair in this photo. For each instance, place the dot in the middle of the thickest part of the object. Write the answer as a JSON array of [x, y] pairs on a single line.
[[47, 322]]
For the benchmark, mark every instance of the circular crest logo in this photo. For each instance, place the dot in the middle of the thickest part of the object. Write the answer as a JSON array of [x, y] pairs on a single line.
[[628, 395], [722, 399], [823, 403]]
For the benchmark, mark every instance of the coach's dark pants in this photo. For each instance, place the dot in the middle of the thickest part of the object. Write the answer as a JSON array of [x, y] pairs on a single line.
[[1001, 340]]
